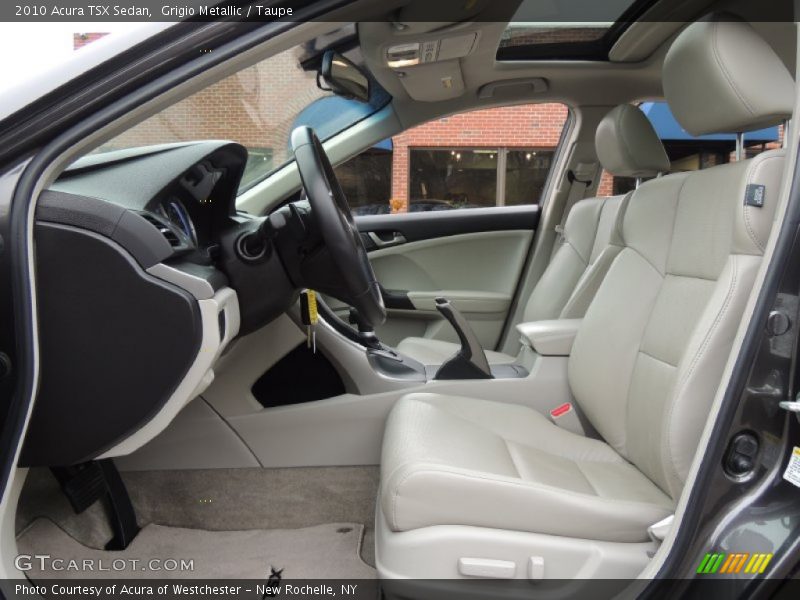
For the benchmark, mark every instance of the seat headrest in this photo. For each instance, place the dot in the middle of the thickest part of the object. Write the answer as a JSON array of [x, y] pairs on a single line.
[[628, 146], [721, 76]]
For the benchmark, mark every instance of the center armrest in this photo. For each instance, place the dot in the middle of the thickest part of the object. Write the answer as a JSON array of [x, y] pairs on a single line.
[[552, 337]]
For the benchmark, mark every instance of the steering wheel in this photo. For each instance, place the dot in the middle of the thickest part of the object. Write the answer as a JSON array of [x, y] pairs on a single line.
[[339, 233]]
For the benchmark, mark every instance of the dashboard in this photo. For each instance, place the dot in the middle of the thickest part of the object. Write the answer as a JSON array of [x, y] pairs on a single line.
[[146, 273], [187, 191], [138, 294]]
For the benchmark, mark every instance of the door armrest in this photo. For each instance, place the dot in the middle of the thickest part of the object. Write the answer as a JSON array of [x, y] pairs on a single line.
[[552, 337]]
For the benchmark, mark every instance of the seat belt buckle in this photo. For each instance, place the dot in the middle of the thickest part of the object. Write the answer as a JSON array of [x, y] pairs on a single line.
[[559, 233], [566, 417]]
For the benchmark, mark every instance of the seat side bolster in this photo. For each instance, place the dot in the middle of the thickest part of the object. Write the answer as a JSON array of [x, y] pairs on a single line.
[[702, 364], [589, 283], [700, 370], [568, 263], [607, 244], [754, 223], [555, 285], [582, 225], [424, 495]]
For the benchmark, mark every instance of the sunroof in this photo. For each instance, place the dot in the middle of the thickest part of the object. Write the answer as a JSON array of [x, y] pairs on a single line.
[[565, 28], [533, 34]]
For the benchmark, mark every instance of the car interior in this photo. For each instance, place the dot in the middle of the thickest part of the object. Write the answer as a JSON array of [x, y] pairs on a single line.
[[256, 379]]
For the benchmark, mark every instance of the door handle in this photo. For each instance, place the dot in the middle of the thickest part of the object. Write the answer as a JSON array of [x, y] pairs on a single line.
[[396, 239]]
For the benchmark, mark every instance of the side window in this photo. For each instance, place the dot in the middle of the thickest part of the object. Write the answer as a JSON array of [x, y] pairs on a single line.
[[690, 153], [488, 157]]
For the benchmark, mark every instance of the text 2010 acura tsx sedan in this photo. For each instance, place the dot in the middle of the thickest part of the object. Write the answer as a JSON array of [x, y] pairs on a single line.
[[555, 345]]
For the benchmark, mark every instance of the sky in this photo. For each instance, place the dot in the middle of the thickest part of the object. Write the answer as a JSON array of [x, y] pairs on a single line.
[[28, 48]]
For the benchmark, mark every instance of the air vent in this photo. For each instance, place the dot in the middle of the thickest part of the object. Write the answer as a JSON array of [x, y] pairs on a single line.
[[168, 234]]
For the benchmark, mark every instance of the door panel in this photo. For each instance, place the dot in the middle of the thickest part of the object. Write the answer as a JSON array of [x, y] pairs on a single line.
[[474, 257]]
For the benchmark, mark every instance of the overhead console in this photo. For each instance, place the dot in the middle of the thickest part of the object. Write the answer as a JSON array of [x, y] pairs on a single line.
[[412, 54], [423, 49]]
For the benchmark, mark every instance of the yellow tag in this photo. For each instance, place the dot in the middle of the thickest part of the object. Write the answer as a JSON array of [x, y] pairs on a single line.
[[313, 316]]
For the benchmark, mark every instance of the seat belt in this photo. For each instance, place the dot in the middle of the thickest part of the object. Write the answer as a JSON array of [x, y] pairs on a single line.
[[579, 179]]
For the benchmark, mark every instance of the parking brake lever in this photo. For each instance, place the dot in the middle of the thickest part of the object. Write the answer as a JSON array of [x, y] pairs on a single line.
[[470, 360]]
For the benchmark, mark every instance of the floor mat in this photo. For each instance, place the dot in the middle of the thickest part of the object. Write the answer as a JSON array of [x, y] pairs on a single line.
[[233, 500], [323, 551]]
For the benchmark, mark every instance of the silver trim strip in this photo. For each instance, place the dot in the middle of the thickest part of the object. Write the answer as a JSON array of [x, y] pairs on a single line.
[[196, 286]]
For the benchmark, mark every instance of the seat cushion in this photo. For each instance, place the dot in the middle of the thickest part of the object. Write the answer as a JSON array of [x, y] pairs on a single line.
[[451, 460], [436, 352]]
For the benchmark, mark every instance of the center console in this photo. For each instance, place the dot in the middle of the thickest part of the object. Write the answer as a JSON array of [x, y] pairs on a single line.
[[469, 362]]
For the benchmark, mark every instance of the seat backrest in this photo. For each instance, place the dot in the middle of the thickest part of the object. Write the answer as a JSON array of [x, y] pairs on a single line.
[[654, 342], [627, 146]]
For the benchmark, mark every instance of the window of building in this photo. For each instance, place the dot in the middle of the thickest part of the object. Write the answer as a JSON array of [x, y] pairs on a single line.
[[526, 174], [482, 158], [452, 178], [442, 178]]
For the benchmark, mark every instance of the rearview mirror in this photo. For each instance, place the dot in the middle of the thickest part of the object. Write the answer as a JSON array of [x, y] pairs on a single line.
[[343, 78]]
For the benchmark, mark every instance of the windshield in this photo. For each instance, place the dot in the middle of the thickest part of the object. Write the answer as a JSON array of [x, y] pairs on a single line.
[[257, 107]]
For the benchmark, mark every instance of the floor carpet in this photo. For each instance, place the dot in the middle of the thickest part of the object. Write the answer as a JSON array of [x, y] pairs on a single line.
[[323, 551], [217, 500]]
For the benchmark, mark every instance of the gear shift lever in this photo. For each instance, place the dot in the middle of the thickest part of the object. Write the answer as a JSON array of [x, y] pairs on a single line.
[[366, 333], [470, 360]]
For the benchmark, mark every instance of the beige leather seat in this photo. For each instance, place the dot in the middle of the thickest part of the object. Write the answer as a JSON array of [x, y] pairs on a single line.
[[646, 361], [627, 146]]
